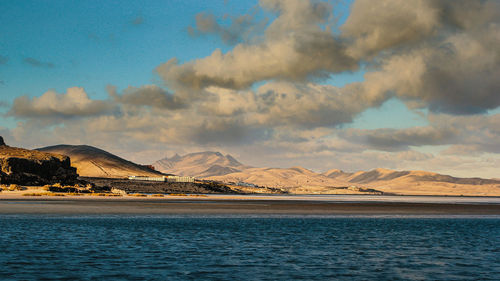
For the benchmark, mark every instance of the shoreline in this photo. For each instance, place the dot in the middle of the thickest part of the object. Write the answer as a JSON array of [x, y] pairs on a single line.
[[229, 205]]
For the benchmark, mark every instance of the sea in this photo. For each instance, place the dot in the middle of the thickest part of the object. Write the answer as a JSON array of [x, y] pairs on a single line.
[[128, 247]]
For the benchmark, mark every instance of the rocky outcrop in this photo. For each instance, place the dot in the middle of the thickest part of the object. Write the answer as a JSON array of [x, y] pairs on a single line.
[[2, 143], [31, 167]]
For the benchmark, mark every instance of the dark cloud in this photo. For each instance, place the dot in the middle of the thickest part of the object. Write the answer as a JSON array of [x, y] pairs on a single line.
[[401, 139], [464, 134], [227, 131], [439, 55], [309, 105], [149, 95], [37, 63]]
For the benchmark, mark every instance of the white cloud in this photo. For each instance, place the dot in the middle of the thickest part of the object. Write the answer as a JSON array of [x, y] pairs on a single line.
[[74, 103]]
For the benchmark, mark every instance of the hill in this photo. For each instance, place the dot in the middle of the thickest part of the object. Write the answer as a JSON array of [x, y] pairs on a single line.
[[94, 162], [418, 182], [224, 168], [200, 165]]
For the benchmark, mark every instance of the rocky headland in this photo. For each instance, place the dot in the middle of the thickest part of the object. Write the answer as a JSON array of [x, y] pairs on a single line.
[[30, 167]]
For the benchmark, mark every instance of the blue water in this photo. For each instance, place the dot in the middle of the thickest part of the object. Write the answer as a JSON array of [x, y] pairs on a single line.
[[248, 248]]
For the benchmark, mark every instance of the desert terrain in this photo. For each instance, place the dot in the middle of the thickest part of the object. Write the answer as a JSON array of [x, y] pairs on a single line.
[[298, 180], [219, 173]]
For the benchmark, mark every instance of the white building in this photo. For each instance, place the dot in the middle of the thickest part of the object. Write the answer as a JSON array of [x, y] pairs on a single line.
[[179, 179], [162, 178]]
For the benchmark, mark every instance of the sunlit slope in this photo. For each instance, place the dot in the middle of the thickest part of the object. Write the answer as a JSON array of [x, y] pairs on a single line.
[[94, 162]]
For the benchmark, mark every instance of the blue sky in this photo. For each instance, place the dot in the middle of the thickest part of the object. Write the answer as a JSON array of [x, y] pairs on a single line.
[[94, 43], [52, 46]]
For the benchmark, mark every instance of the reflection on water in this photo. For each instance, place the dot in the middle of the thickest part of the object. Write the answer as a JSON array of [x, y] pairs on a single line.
[[248, 248]]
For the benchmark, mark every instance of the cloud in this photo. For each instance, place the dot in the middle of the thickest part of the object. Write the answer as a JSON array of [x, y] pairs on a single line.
[[464, 134], [389, 24], [439, 55], [74, 103], [295, 48], [309, 105], [478, 133], [296, 105], [148, 95], [459, 76], [241, 27], [36, 63], [374, 27], [401, 139], [3, 60]]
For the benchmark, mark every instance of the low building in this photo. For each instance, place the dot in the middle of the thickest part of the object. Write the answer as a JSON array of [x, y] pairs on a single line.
[[162, 178], [143, 178], [179, 179]]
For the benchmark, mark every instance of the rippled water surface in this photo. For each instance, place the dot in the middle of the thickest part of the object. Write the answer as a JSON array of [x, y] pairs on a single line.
[[188, 248]]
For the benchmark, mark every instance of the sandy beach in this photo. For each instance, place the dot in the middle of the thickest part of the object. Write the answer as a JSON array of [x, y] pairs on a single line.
[[230, 204]]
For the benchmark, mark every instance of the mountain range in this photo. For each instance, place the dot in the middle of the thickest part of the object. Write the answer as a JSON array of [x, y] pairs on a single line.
[[225, 168], [94, 162]]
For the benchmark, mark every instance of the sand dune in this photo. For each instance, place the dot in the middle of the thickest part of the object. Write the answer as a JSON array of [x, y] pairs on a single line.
[[94, 162]]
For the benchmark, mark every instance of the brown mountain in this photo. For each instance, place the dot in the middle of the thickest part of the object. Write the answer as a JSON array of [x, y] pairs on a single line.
[[215, 166], [225, 168], [200, 164], [94, 162], [418, 182]]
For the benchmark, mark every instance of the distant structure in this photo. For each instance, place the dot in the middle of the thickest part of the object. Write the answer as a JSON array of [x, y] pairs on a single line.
[[151, 167], [143, 178], [2, 143], [179, 179], [162, 178]]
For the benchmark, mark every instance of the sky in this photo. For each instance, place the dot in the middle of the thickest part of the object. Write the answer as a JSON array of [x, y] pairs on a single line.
[[350, 85]]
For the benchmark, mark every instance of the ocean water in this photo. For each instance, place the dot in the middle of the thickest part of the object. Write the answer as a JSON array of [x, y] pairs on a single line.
[[248, 248]]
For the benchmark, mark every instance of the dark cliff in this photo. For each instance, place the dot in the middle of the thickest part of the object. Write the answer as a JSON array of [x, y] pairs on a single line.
[[31, 167]]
